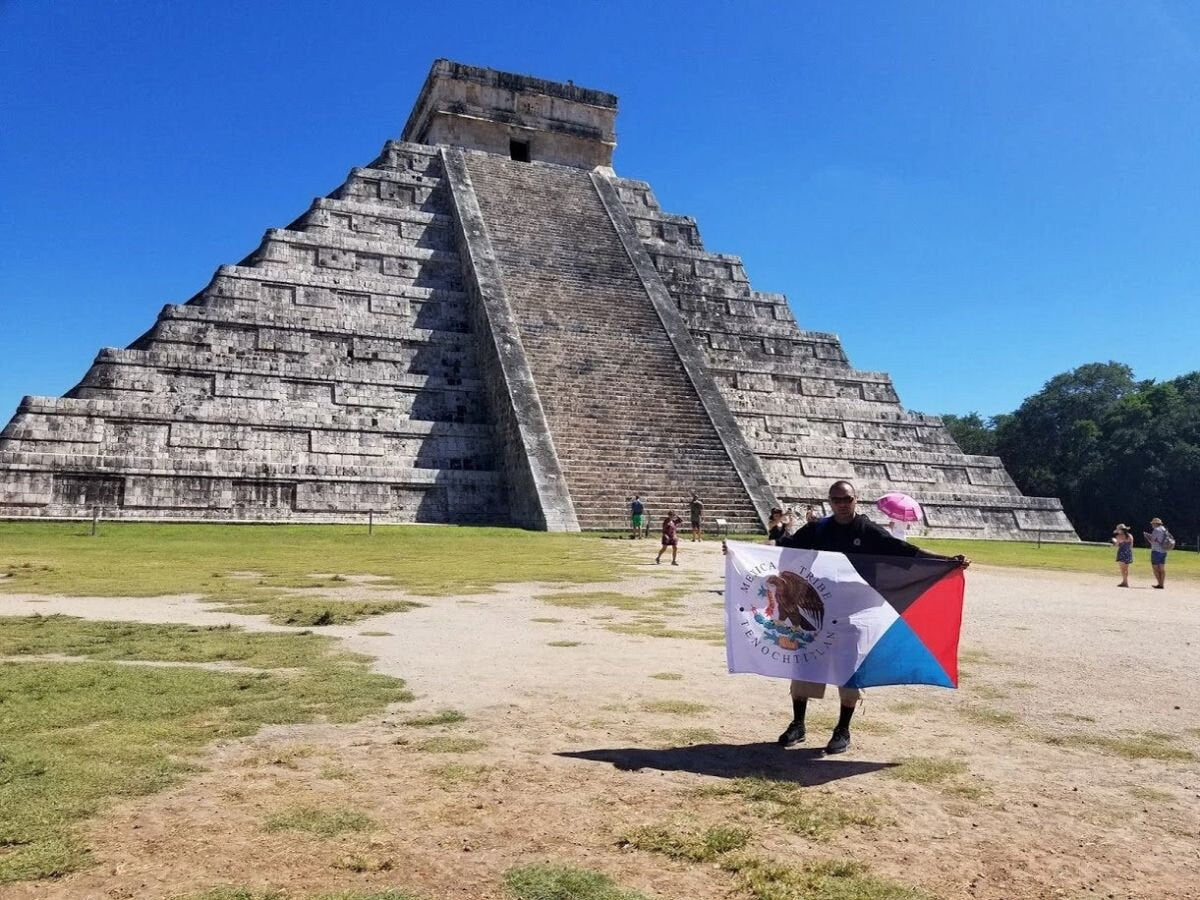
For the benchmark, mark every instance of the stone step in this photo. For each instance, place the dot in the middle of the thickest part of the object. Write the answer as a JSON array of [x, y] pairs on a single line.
[[146, 465], [351, 374], [236, 411], [611, 383], [362, 282], [335, 320]]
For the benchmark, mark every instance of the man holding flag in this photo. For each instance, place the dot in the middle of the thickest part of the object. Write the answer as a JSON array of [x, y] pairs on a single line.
[[853, 621]]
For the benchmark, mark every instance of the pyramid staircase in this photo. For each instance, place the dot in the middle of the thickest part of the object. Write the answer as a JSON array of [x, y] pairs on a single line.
[[625, 416]]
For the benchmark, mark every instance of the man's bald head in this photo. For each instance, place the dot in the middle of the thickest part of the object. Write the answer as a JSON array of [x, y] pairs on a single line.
[[842, 487], [843, 499]]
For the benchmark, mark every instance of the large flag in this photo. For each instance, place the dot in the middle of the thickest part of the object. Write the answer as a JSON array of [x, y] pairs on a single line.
[[853, 621]]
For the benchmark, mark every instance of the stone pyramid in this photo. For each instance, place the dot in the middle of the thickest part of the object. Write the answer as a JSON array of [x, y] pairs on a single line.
[[487, 325]]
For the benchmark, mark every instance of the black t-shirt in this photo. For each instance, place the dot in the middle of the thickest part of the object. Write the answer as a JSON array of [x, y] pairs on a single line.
[[776, 533], [861, 535]]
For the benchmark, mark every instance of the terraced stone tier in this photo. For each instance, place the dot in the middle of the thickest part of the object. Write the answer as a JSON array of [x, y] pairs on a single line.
[[812, 418], [331, 373]]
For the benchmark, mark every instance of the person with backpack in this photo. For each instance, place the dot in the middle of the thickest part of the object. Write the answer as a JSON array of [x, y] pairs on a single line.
[[1161, 541], [843, 532]]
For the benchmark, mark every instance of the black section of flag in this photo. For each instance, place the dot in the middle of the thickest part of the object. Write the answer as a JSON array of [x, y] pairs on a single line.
[[900, 579]]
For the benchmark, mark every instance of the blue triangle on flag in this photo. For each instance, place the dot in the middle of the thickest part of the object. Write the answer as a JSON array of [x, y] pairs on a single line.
[[899, 657]]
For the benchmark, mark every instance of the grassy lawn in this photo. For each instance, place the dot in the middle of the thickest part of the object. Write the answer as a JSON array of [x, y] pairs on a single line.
[[76, 735], [1100, 560], [248, 567], [242, 564]]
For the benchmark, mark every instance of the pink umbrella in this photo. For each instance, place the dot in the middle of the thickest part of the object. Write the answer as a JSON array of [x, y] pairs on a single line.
[[900, 507]]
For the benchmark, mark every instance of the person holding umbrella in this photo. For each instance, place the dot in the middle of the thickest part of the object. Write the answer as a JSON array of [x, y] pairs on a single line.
[[901, 510], [846, 531]]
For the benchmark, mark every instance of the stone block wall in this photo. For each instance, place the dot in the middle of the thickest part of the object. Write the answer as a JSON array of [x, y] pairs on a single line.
[[812, 418], [331, 373], [483, 109]]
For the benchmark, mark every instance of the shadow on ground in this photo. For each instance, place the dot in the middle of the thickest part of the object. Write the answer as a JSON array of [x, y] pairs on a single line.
[[809, 767]]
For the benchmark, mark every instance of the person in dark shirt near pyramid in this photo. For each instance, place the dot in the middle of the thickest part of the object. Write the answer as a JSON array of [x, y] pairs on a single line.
[[846, 531]]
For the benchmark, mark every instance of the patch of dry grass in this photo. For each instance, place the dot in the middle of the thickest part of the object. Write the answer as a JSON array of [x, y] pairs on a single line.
[[449, 744], [1151, 745], [986, 715], [441, 717], [674, 707], [323, 822], [662, 630], [687, 842], [812, 813], [684, 737]]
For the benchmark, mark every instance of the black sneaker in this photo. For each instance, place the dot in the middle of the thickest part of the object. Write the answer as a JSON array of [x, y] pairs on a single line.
[[793, 735], [840, 742]]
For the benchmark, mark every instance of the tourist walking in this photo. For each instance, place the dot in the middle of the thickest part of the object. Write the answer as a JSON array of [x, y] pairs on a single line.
[[1124, 541], [843, 532], [670, 537], [637, 512], [697, 516], [1160, 542]]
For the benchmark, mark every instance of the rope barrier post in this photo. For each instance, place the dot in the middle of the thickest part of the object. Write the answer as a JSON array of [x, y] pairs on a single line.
[[370, 521], [95, 518]]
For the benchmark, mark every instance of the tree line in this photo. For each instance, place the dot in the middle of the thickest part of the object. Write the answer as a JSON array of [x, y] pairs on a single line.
[[1112, 448]]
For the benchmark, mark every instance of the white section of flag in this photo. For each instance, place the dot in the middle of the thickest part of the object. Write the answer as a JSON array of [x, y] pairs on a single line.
[[855, 616]]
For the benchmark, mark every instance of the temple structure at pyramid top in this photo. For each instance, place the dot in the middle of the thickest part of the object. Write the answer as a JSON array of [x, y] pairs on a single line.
[[487, 325], [525, 119]]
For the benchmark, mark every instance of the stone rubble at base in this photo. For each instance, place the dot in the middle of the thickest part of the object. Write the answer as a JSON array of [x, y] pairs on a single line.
[[459, 335]]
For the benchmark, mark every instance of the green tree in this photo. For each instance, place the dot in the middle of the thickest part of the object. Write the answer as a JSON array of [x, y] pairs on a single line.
[[1051, 445], [972, 433], [1111, 448]]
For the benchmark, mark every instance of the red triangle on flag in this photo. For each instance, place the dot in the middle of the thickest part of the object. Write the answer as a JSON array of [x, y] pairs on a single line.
[[936, 617]]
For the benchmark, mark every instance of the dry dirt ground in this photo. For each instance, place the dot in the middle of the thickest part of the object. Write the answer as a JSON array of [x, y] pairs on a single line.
[[1063, 677]]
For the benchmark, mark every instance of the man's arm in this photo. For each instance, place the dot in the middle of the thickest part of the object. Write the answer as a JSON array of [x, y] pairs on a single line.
[[803, 538], [881, 543]]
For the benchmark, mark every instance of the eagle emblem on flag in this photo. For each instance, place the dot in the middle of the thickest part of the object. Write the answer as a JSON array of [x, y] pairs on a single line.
[[853, 621]]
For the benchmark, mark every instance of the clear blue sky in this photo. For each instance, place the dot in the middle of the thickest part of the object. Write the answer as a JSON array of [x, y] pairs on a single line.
[[975, 196]]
